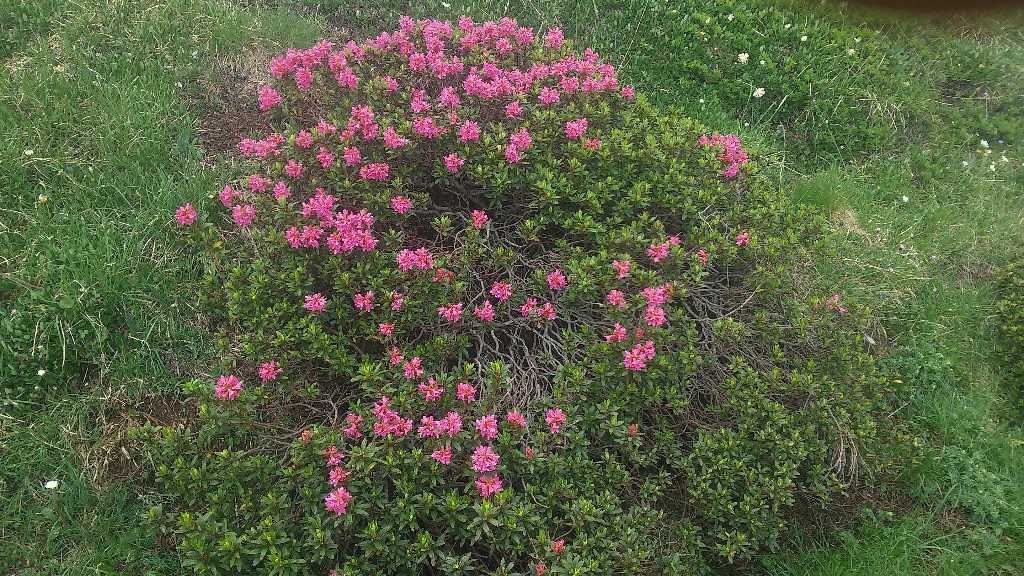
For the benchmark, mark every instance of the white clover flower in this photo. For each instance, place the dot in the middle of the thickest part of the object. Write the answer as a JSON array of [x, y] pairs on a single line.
[[787, 26], [29, 152], [701, 100], [759, 92], [803, 38], [851, 52], [992, 167], [762, 62], [743, 57], [41, 372], [984, 143], [1003, 158], [857, 40], [906, 198], [446, 5], [50, 485], [965, 162], [730, 17]]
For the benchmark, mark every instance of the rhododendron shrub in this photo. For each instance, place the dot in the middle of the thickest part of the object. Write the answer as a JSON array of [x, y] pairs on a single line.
[[507, 304]]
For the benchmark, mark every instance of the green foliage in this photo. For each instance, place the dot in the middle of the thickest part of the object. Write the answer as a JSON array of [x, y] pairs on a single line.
[[1011, 320]]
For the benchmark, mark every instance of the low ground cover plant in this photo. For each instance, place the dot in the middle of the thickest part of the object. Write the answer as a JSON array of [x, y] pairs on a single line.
[[483, 310], [1010, 310]]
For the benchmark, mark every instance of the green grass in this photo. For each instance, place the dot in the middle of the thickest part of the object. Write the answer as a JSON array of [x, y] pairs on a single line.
[[99, 109]]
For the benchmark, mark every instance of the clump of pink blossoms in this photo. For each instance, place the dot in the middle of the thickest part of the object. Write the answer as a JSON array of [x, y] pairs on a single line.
[[228, 387], [731, 152], [186, 215], [316, 302], [555, 417], [337, 501], [489, 485], [269, 371]]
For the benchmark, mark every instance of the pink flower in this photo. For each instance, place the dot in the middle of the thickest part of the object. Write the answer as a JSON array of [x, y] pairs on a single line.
[[636, 359], [521, 139], [352, 155], [469, 131], [352, 430], [556, 280], [512, 154], [397, 299], [703, 256], [555, 417], [484, 459], [334, 456], [833, 304], [338, 475], [485, 312], [627, 92], [392, 140], [304, 139], [575, 129], [557, 546], [541, 570], [364, 302], [658, 252], [269, 371], [528, 308], [513, 109], [444, 455], [401, 204], [228, 387], [325, 157], [655, 315], [412, 368], [487, 426], [430, 390], [465, 392], [268, 98], [316, 302], [227, 196], [516, 418], [453, 422], [453, 162], [448, 97], [616, 298], [618, 334], [420, 258], [554, 38], [377, 171], [243, 214], [338, 500], [303, 78], [657, 295], [501, 290], [547, 311], [594, 143], [386, 329], [186, 215], [451, 312], [622, 267], [548, 95], [743, 239], [479, 218], [528, 453], [281, 190], [390, 84], [633, 429], [489, 485]]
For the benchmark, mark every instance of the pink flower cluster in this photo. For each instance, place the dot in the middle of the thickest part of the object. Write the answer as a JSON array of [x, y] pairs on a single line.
[[389, 421], [731, 152], [186, 215], [228, 387], [832, 303], [419, 258], [637, 358]]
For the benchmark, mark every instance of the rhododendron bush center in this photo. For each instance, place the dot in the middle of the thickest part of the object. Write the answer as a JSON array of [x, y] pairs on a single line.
[[476, 251]]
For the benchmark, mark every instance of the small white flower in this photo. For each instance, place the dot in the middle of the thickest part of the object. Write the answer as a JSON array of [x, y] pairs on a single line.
[[906, 198], [851, 52], [803, 38], [857, 40], [984, 143], [41, 372], [787, 26], [701, 100], [43, 198], [29, 152], [730, 17], [965, 162], [742, 58], [992, 167], [762, 62], [1003, 158], [446, 5], [708, 21], [746, 124], [51, 484], [759, 92]]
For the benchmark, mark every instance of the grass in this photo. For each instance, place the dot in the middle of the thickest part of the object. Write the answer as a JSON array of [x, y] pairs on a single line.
[[100, 108]]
